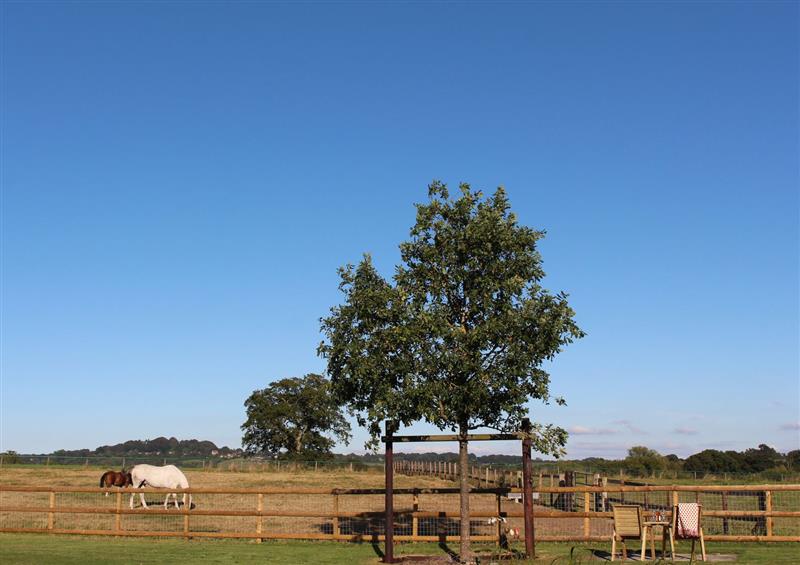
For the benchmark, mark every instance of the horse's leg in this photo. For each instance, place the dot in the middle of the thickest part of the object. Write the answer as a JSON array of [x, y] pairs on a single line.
[[144, 502], [175, 499]]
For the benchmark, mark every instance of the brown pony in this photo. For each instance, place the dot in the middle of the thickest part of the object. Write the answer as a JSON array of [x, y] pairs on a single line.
[[115, 479]]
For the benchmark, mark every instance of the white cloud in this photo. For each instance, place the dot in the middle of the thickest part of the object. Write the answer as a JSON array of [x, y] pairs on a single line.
[[685, 431], [791, 426], [584, 431], [583, 449]]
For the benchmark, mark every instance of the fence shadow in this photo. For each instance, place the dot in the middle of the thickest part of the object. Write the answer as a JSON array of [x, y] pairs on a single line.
[[370, 525]]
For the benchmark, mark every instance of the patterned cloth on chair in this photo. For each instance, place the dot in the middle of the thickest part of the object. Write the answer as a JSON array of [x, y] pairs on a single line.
[[688, 523]]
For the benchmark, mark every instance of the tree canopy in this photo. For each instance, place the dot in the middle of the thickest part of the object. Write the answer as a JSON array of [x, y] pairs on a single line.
[[753, 460], [294, 418], [644, 460], [460, 336]]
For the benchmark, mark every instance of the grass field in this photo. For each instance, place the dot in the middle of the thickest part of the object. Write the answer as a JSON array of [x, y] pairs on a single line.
[[30, 549], [90, 477]]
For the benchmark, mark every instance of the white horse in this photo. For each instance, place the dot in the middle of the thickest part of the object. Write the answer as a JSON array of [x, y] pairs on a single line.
[[168, 476]]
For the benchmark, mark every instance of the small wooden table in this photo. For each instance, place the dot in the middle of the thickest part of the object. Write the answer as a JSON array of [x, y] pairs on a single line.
[[666, 532]]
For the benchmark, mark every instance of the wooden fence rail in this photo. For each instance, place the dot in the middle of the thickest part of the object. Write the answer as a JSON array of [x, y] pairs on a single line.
[[431, 515]]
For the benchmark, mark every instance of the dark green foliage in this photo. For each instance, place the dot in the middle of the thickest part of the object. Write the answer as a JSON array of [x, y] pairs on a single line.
[[159, 446], [644, 460], [460, 336], [793, 460], [294, 418], [761, 459], [10, 457], [749, 461]]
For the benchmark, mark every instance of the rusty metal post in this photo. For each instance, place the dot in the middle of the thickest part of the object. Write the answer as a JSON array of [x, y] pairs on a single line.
[[388, 554], [527, 496]]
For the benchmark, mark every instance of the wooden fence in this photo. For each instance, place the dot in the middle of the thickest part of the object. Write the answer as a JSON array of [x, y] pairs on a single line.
[[493, 477], [730, 513]]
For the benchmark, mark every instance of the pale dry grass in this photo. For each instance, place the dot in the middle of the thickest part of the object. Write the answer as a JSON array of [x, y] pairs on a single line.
[[90, 477], [368, 507]]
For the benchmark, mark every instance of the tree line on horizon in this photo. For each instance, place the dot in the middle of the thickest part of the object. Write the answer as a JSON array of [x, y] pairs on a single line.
[[160, 446], [640, 460]]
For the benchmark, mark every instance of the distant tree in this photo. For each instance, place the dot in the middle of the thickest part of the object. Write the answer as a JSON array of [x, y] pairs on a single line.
[[644, 460], [673, 462], [294, 418], [10, 457], [714, 461], [793, 460], [461, 336], [761, 459]]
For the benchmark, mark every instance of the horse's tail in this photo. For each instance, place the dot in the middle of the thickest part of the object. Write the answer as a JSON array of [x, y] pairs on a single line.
[[103, 480]]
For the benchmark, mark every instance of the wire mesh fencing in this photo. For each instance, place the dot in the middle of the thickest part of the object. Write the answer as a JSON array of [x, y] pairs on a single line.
[[581, 513]]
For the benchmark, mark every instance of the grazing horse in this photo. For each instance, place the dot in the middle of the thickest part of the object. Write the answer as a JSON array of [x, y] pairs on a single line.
[[115, 479], [168, 476]]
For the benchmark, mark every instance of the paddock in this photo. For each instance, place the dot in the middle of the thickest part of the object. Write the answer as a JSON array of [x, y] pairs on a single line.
[[298, 506]]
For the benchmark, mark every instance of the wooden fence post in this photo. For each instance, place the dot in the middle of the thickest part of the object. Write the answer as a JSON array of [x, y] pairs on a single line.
[[335, 515], [50, 515], [118, 514], [499, 521], [414, 519], [725, 529], [527, 496], [768, 508], [388, 499], [586, 508], [604, 495], [260, 508]]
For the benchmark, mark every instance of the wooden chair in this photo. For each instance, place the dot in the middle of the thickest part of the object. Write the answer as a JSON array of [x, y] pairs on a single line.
[[627, 526], [687, 525]]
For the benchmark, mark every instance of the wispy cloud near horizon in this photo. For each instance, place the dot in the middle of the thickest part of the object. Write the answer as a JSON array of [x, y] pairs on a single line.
[[630, 427], [585, 431]]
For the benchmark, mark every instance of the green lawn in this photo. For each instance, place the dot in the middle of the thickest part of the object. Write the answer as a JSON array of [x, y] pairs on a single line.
[[69, 550]]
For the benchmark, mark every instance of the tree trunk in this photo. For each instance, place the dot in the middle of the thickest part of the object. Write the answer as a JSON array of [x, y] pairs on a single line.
[[463, 464]]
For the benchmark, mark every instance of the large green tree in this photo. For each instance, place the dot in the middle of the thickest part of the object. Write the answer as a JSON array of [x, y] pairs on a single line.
[[460, 336], [644, 460], [294, 418]]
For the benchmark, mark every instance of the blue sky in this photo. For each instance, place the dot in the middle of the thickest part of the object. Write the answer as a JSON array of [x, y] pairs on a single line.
[[181, 181]]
